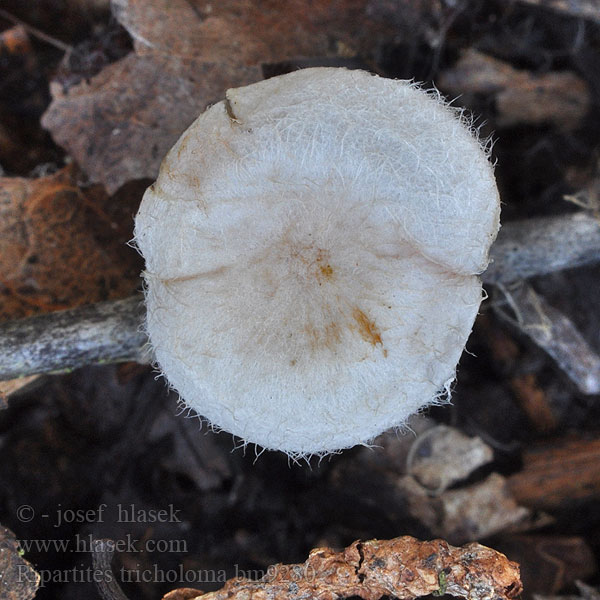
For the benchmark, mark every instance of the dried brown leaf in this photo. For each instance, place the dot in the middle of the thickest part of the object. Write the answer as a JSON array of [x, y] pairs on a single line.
[[119, 125], [474, 512], [58, 246], [443, 455], [403, 567], [245, 32]]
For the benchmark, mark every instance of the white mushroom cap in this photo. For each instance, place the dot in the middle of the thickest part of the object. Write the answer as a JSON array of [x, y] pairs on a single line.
[[312, 245]]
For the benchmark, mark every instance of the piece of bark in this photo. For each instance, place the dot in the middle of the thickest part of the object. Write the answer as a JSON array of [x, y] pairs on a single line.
[[558, 474], [402, 568], [18, 579], [559, 98]]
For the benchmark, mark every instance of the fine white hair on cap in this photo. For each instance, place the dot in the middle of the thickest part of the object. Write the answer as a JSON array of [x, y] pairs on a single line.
[[312, 245]]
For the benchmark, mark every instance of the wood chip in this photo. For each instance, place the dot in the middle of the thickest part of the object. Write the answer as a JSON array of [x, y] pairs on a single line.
[[557, 474]]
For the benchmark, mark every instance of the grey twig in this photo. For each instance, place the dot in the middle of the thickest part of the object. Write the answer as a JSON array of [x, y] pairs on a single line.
[[61, 341], [111, 331], [552, 331], [543, 245]]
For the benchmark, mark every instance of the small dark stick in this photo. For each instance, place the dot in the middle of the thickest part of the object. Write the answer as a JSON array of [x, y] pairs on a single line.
[[102, 554]]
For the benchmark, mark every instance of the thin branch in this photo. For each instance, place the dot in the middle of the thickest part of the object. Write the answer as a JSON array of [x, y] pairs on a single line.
[[552, 331], [102, 554], [543, 245], [60, 341], [111, 331], [36, 32]]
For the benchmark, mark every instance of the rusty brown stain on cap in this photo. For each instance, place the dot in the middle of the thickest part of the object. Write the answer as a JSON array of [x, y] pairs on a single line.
[[368, 329]]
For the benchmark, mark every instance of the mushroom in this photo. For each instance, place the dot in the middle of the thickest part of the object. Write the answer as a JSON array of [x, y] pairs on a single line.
[[312, 245]]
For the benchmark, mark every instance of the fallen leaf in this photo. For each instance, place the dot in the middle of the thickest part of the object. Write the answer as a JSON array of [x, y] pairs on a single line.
[[60, 246], [246, 32], [470, 513], [443, 455], [119, 126]]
